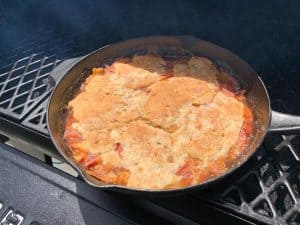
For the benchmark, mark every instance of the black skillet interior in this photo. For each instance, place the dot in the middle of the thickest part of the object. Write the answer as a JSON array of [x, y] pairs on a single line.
[[181, 46]]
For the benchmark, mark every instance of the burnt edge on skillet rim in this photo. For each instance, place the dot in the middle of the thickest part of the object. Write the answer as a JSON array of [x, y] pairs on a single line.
[[186, 43]]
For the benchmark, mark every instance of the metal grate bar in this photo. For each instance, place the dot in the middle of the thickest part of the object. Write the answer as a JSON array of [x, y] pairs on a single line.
[[9, 75], [36, 119], [21, 80], [35, 80]]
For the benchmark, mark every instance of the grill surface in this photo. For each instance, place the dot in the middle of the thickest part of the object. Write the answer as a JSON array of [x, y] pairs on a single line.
[[267, 188]]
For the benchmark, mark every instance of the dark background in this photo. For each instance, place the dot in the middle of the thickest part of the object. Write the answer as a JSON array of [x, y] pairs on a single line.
[[264, 33]]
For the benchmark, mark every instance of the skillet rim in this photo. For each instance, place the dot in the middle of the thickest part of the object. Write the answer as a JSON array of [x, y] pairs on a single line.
[[199, 186]]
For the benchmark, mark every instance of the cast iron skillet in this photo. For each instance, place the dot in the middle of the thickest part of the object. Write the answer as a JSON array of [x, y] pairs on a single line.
[[178, 46]]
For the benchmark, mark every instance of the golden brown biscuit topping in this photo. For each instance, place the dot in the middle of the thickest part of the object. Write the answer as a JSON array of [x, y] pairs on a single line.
[[149, 123]]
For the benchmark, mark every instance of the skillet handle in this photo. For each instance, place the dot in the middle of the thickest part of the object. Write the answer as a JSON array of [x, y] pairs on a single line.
[[284, 123], [61, 69]]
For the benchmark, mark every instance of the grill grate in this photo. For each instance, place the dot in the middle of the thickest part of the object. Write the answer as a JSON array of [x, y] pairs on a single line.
[[25, 84], [37, 118], [267, 188]]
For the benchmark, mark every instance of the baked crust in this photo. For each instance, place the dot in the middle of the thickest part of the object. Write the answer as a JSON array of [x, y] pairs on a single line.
[[151, 123]]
